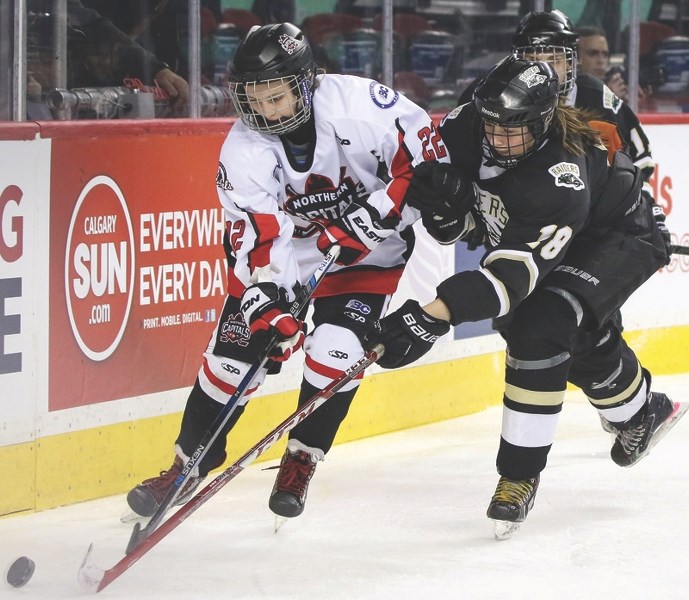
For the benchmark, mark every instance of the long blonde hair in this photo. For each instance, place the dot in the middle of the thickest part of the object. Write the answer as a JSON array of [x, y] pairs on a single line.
[[572, 125]]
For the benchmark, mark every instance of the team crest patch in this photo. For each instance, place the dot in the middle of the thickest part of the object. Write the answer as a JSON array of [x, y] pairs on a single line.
[[288, 43], [567, 175], [532, 77], [221, 179], [453, 114], [383, 96], [610, 100], [235, 330]]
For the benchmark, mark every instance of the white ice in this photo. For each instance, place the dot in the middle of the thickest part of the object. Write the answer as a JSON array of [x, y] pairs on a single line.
[[401, 516]]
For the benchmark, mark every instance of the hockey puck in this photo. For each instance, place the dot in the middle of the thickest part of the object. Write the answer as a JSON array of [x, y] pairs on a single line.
[[20, 571]]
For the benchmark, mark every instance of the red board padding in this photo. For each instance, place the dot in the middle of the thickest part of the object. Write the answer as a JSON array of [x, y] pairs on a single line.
[[18, 131]]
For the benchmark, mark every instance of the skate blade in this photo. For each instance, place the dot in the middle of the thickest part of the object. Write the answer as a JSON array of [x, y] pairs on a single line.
[[680, 408], [504, 530], [129, 516], [279, 522]]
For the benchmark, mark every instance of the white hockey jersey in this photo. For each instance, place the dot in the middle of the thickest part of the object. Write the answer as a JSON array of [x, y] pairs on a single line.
[[368, 139]]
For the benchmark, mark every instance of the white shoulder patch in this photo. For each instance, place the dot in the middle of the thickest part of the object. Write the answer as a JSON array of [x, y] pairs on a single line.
[[567, 175], [382, 95], [454, 113], [610, 100], [221, 179]]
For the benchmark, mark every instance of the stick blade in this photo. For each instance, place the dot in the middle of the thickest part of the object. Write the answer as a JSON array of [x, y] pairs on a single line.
[[90, 576], [138, 536]]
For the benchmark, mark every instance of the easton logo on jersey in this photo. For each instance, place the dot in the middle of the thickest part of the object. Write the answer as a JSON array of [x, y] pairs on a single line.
[[567, 175], [323, 199]]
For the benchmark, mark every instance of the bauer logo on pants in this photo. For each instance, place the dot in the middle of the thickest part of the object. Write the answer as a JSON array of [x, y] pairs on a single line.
[[99, 268]]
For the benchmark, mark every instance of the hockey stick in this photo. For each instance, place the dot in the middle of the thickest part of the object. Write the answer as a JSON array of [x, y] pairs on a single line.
[[139, 534], [679, 249], [94, 579]]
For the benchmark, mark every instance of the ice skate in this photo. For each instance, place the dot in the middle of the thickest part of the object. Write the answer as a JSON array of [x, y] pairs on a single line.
[[510, 505], [636, 437], [292, 482], [129, 516], [279, 522], [146, 497]]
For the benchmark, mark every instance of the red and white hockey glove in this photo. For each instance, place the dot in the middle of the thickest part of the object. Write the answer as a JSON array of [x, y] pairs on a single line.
[[265, 308], [358, 231]]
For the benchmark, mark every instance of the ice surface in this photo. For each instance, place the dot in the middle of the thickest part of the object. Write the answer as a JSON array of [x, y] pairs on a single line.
[[401, 516]]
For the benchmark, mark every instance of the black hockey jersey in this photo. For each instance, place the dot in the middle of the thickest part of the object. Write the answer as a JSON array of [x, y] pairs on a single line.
[[531, 213], [591, 93]]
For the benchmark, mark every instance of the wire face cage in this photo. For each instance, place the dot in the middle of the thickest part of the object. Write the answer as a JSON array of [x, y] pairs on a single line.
[[275, 106]]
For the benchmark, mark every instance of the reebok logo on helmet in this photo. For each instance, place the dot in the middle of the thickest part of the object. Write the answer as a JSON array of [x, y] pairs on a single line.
[[490, 113]]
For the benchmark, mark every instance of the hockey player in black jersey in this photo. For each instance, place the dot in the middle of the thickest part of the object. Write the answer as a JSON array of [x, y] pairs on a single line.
[[569, 240], [550, 37]]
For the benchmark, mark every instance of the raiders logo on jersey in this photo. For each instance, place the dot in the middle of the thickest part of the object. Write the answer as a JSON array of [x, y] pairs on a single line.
[[567, 175]]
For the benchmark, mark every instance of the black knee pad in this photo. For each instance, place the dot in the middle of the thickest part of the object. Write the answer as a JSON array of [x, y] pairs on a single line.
[[542, 324], [539, 341]]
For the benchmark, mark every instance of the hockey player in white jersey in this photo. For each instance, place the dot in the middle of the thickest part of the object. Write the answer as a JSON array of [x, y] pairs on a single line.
[[313, 161]]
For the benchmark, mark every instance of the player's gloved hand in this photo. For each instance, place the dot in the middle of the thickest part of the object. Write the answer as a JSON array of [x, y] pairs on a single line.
[[284, 350], [440, 188], [478, 236], [407, 334], [444, 228], [265, 307], [659, 216], [358, 231]]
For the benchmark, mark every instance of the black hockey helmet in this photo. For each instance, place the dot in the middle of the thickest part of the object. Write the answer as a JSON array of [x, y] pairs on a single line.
[[273, 57], [516, 102], [549, 36]]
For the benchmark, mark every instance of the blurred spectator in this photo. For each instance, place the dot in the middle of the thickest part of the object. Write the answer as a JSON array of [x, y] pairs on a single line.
[[594, 60], [594, 55], [98, 54]]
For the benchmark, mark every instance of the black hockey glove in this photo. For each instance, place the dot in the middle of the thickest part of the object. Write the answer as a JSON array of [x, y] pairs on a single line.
[[477, 237], [659, 216], [441, 189], [358, 231], [444, 229], [265, 307], [407, 334]]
